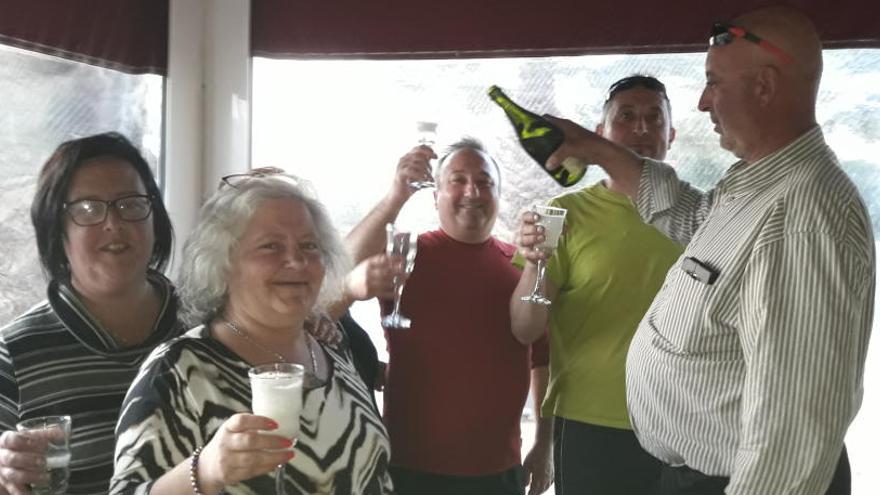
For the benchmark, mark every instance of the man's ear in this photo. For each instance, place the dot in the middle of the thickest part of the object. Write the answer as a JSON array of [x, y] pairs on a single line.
[[600, 129], [766, 84], [671, 137]]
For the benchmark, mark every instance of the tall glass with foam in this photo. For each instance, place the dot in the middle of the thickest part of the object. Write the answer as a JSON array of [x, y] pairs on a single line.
[[277, 393], [552, 220]]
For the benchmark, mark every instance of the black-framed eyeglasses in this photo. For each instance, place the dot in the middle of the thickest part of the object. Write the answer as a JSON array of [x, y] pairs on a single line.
[[235, 180], [723, 33], [88, 212]]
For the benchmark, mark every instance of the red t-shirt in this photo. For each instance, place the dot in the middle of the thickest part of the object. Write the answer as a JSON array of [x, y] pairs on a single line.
[[458, 379]]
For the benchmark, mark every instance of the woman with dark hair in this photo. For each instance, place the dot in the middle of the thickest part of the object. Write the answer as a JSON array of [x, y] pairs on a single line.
[[104, 237]]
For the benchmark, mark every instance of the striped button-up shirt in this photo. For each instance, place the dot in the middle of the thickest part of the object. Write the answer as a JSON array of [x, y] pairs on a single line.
[[757, 374]]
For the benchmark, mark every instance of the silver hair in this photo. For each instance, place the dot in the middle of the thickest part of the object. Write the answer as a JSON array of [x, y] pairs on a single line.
[[222, 221]]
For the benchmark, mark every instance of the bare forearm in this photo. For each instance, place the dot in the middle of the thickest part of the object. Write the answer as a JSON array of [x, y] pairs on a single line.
[[622, 165], [529, 321], [368, 236], [337, 309], [544, 426], [624, 169]]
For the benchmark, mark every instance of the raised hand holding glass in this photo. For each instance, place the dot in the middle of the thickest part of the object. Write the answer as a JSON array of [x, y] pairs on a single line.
[[551, 219], [427, 136], [401, 245]]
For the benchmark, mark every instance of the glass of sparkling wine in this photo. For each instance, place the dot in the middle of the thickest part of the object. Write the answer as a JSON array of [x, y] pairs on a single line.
[[55, 429], [552, 219], [400, 245], [277, 393], [427, 135]]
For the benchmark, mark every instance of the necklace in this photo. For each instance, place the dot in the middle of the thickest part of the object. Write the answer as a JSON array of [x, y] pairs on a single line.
[[282, 359]]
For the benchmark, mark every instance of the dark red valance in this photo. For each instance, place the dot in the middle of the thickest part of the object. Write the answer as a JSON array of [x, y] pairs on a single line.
[[478, 28], [127, 35]]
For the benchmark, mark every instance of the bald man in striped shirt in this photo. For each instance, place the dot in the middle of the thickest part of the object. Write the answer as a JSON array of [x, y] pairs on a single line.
[[746, 371]]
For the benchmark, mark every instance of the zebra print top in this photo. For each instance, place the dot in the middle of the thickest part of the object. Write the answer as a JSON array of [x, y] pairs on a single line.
[[188, 387]]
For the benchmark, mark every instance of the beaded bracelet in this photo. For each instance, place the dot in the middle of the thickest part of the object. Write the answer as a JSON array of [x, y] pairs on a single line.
[[194, 471]]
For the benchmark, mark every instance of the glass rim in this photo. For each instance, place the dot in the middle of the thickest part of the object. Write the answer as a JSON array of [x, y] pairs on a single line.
[[45, 422], [550, 210], [260, 371]]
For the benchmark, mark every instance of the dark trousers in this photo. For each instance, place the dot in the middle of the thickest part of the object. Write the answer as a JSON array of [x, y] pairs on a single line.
[[408, 482], [683, 480], [597, 460]]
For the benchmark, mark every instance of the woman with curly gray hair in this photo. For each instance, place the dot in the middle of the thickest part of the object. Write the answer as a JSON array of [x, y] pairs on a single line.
[[263, 258]]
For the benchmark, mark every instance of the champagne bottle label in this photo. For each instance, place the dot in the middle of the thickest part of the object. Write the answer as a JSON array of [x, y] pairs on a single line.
[[574, 166]]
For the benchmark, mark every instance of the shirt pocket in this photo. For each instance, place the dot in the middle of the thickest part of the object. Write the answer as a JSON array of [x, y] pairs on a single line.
[[686, 317]]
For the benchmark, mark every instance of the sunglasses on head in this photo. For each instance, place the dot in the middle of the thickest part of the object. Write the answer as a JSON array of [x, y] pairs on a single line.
[[235, 180], [638, 81], [724, 33]]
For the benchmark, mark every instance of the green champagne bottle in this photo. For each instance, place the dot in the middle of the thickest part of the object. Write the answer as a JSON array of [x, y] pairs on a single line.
[[540, 138]]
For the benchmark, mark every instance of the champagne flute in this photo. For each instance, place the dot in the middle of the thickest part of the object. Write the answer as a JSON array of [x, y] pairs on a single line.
[[277, 393], [400, 244], [552, 219], [427, 136]]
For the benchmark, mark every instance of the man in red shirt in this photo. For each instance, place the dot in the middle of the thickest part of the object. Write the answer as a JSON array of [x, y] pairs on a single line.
[[457, 380]]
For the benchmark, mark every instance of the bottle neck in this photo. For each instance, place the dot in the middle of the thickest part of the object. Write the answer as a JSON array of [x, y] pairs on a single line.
[[513, 109]]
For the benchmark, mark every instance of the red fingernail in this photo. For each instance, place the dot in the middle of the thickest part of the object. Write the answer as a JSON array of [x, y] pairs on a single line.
[[273, 425], [290, 455], [286, 443]]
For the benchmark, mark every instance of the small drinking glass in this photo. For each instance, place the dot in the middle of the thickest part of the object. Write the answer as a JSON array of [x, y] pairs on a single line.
[[55, 429], [277, 393], [402, 245], [427, 136], [552, 219]]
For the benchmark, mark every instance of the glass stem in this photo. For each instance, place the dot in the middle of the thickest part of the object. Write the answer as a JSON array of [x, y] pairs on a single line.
[[540, 278], [398, 291], [279, 481]]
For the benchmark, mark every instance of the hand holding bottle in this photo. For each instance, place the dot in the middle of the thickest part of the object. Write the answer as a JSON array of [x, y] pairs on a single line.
[[578, 142], [540, 138], [623, 166]]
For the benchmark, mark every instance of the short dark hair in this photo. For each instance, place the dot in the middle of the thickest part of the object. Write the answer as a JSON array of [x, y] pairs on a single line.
[[47, 209], [632, 82]]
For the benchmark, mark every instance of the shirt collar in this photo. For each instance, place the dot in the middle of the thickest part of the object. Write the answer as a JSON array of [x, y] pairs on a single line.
[[76, 317], [744, 178]]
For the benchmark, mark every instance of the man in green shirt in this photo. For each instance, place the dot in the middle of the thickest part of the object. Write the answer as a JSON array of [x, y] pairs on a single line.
[[603, 276]]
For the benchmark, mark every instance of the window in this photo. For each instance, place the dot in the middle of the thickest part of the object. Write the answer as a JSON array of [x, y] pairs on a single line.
[[344, 124], [48, 100]]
